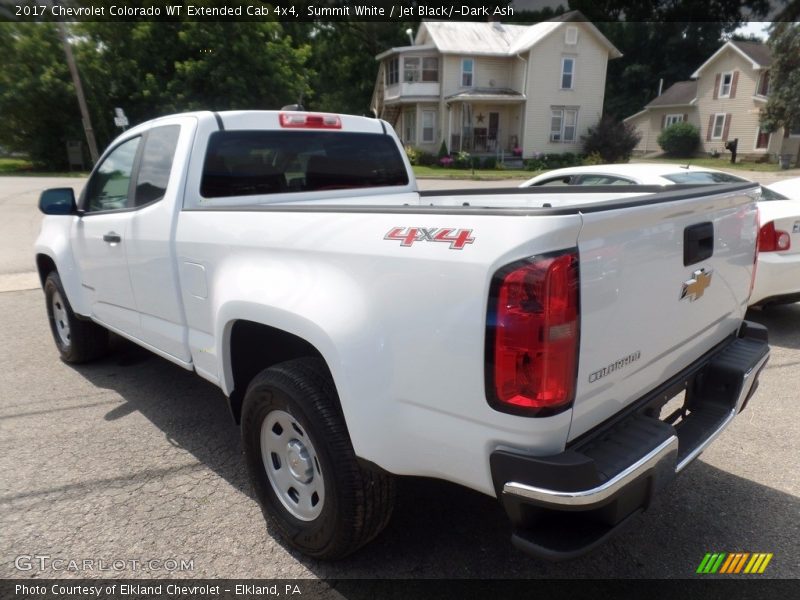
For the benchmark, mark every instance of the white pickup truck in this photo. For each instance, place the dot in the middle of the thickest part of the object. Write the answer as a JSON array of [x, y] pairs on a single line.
[[521, 342]]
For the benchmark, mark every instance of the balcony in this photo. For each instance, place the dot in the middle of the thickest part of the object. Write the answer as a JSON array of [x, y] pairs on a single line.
[[416, 89]]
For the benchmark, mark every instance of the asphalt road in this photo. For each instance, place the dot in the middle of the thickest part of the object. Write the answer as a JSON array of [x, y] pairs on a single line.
[[135, 459]]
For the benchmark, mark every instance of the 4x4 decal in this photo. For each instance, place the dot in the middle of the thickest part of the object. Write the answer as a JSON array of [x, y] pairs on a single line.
[[457, 238]]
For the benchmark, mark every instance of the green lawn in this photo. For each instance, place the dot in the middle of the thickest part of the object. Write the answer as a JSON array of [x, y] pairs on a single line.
[[14, 165], [488, 174], [21, 166], [718, 163]]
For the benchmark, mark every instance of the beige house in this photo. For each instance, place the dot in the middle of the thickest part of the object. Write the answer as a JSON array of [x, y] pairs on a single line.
[[488, 88], [723, 100]]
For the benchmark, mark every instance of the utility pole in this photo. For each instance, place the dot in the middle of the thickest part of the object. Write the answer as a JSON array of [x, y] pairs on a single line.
[[76, 81]]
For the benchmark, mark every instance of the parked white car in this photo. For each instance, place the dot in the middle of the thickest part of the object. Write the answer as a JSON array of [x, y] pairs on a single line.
[[777, 279]]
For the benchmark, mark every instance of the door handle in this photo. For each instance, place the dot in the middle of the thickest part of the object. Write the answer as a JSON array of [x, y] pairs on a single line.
[[112, 238], [698, 243]]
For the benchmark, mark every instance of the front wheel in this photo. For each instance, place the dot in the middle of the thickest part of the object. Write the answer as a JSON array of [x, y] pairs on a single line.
[[302, 463], [77, 340]]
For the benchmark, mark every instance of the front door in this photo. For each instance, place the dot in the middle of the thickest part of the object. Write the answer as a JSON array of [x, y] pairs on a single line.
[[99, 238], [494, 129]]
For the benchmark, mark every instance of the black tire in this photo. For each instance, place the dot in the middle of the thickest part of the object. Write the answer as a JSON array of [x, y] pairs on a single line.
[[77, 340], [357, 502]]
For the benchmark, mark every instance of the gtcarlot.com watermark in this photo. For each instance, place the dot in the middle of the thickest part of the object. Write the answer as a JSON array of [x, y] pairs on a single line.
[[60, 564]]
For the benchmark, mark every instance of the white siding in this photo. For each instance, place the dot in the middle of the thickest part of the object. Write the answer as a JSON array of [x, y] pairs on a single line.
[[489, 72], [544, 82], [649, 125], [743, 109]]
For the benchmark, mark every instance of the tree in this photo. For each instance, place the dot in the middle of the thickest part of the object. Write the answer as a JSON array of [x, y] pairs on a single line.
[[613, 140], [783, 105], [343, 60], [147, 68], [37, 100], [679, 139], [665, 39]]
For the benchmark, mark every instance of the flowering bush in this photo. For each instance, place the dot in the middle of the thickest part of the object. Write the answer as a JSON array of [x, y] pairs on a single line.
[[446, 161], [413, 155]]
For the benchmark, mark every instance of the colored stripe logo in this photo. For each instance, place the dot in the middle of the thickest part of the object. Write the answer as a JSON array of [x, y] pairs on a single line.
[[734, 563]]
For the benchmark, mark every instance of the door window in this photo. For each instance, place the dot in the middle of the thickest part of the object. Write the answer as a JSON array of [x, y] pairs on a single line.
[[159, 152], [109, 186]]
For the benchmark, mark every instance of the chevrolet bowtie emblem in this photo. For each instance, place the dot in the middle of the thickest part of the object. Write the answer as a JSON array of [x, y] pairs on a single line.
[[696, 286]]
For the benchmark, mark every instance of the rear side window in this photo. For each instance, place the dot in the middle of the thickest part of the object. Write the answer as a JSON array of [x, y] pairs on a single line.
[[156, 164], [561, 180], [768, 194], [703, 177], [603, 180], [245, 163]]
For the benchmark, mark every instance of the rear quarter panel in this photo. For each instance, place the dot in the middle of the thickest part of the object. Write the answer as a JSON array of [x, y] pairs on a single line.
[[401, 328]]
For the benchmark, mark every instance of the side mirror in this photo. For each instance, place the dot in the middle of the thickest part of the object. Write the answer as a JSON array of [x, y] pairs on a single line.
[[58, 201]]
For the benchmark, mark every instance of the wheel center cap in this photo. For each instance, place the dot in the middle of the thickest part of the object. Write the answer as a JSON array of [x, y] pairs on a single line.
[[300, 464]]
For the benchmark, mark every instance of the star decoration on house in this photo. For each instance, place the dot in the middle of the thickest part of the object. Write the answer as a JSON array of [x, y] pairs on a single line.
[[480, 118]]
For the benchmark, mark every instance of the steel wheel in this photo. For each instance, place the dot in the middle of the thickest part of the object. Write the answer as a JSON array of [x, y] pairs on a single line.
[[292, 466], [61, 319]]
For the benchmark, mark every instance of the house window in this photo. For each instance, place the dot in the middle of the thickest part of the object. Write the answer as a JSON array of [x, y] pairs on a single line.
[[392, 71], [467, 72], [563, 124], [763, 84], [725, 85], [672, 119], [430, 69], [567, 73], [428, 126], [571, 36], [411, 69], [410, 126], [718, 126], [762, 140]]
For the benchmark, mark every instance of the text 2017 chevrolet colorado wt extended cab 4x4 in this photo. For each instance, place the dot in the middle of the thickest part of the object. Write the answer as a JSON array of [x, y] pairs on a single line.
[[519, 342]]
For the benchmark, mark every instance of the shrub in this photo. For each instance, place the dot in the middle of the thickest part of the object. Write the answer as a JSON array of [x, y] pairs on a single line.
[[412, 154], [446, 161], [593, 159], [463, 160], [613, 140], [490, 162], [535, 163], [680, 140], [425, 159], [442, 151]]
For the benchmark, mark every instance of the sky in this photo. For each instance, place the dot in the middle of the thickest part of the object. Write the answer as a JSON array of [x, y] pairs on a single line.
[[754, 27]]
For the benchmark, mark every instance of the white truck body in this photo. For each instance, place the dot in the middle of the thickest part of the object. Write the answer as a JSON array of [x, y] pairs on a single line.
[[403, 328]]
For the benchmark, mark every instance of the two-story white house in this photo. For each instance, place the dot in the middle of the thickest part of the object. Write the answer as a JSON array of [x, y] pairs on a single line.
[[491, 87], [724, 101]]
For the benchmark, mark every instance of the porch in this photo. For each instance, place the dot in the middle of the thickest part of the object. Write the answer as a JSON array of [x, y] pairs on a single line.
[[489, 125]]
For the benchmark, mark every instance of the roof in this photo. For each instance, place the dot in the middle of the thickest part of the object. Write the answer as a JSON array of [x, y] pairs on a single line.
[[497, 39], [757, 54], [496, 93], [644, 173], [453, 37], [678, 94], [398, 49]]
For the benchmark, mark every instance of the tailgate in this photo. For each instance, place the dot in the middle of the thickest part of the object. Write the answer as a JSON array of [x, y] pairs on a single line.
[[662, 282]]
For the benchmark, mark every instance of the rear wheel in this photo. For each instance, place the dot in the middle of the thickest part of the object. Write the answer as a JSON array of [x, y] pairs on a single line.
[[77, 340], [302, 463]]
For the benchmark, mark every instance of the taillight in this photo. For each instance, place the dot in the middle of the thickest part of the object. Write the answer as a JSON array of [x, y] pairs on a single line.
[[310, 121], [532, 335], [773, 240]]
